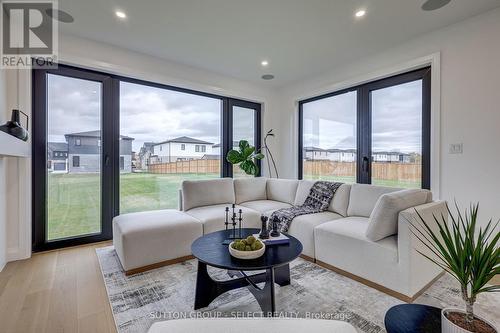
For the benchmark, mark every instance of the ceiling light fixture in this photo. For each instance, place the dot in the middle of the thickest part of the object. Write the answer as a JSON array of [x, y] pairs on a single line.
[[264, 63], [360, 13], [120, 14]]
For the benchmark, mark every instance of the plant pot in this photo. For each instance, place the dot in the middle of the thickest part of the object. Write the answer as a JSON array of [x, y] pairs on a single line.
[[447, 326]]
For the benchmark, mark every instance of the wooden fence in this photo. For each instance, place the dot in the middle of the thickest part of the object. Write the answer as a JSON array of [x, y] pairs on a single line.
[[411, 172], [193, 166], [386, 171]]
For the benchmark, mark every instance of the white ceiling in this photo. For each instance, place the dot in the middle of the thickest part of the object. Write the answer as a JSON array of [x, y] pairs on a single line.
[[300, 38]]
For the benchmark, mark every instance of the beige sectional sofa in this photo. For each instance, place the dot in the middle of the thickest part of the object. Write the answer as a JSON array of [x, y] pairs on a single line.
[[365, 233]]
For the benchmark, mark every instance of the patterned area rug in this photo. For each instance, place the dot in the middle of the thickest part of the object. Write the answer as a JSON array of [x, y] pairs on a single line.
[[315, 292]]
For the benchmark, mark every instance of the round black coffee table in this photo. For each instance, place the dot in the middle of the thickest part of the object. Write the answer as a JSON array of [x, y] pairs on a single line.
[[413, 318], [210, 251]]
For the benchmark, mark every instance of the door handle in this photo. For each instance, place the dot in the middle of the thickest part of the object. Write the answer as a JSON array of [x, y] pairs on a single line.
[[365, 165], [106, 160]]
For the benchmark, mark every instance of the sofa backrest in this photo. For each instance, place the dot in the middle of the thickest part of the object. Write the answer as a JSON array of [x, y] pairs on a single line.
[[363, 198], [339, 203], [283, 190], [198, 193], [250, 189]]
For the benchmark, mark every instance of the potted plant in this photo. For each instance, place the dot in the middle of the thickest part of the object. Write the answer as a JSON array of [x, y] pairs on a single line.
[[246, 157], [472, 258]]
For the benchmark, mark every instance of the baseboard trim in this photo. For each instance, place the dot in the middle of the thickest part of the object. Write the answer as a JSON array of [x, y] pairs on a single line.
[[377, 286], [303, 256], [158, 265]]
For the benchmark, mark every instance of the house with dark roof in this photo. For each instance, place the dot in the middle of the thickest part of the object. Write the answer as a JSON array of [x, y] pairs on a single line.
[[84, 152], [182, 148], [57, 157]]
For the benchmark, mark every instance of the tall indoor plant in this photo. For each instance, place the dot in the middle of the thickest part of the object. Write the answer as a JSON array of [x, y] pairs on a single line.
[[471, 257], [246, 157]]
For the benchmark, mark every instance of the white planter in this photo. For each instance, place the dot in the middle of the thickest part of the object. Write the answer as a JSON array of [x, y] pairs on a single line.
[[448, 327]]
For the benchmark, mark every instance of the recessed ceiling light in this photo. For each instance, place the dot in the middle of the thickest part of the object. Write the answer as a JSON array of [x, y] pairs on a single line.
[[264, 63], [120, 14], [360, 13]]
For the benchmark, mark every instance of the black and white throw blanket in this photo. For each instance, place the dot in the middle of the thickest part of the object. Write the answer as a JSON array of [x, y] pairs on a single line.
[[318, 200]]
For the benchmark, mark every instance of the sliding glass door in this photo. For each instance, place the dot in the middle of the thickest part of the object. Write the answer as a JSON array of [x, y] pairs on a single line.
[[376, 133], [105, 145], [70, 181]]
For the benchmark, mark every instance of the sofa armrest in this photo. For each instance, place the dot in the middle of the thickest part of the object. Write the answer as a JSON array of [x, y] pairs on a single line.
[[420, 269]]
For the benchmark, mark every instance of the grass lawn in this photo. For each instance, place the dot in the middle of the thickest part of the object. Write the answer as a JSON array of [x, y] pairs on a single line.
[[74, 203], [74, 199]]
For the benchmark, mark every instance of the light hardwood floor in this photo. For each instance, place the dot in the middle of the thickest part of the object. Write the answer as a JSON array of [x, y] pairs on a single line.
[[57, 291]]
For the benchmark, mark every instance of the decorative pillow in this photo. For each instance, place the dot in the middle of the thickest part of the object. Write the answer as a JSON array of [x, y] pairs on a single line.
[[384, 217]]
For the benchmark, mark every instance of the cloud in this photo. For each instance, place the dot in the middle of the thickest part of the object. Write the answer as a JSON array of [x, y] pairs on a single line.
[[396, 120], [146, 113]]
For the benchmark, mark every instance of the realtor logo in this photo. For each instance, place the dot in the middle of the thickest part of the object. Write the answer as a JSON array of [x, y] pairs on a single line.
[[29, 34]]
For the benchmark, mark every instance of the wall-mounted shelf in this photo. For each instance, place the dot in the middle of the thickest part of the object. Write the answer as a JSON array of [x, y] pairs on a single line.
[[11, 146]]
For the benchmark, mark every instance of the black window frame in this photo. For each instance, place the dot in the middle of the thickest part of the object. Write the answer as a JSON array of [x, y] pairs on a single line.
[[76, 161], [110, 146], [364, 126]]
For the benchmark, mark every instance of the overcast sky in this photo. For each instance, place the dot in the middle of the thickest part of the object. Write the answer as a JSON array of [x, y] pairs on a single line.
[[154, 114], [396, 120]]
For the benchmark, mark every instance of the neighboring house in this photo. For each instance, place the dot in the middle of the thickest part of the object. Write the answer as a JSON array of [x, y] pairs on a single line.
[[349, 155], [391, 157], [180, 149], [216, 149], [144, 156], [335, 155], [84, 152], [57, 157]]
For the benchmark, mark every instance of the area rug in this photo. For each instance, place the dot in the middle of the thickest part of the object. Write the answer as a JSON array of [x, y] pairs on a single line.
[[168, 293]]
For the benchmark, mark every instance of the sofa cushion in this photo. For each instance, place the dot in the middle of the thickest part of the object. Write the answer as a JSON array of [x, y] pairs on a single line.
[[146, 238], [283, 190], [384, 217], [342, 243], [338, 204], [199, 193], [250, 189], [302, 228], [265, 206], [363, 198], [213, 217]]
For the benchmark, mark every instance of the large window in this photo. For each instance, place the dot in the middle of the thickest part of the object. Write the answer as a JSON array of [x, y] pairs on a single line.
[[376, 133], [187, 125], [105, 144]]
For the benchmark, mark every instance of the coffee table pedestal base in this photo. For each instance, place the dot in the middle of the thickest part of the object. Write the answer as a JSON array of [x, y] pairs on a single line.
[[208, 289]]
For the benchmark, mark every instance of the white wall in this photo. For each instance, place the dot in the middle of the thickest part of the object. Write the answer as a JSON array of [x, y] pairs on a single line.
[[470, 108], [3, 188]]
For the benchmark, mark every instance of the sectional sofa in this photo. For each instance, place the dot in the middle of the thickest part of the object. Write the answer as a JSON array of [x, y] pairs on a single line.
[[365, 233]]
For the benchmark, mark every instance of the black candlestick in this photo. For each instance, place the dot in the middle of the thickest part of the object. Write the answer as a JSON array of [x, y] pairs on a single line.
[[239, 222], [226, 222]]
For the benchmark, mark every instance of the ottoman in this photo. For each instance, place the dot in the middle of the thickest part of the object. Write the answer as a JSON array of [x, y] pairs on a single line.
[[152, 239]]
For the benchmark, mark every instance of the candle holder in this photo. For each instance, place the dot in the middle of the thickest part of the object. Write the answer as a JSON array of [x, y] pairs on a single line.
[[236, 219]]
